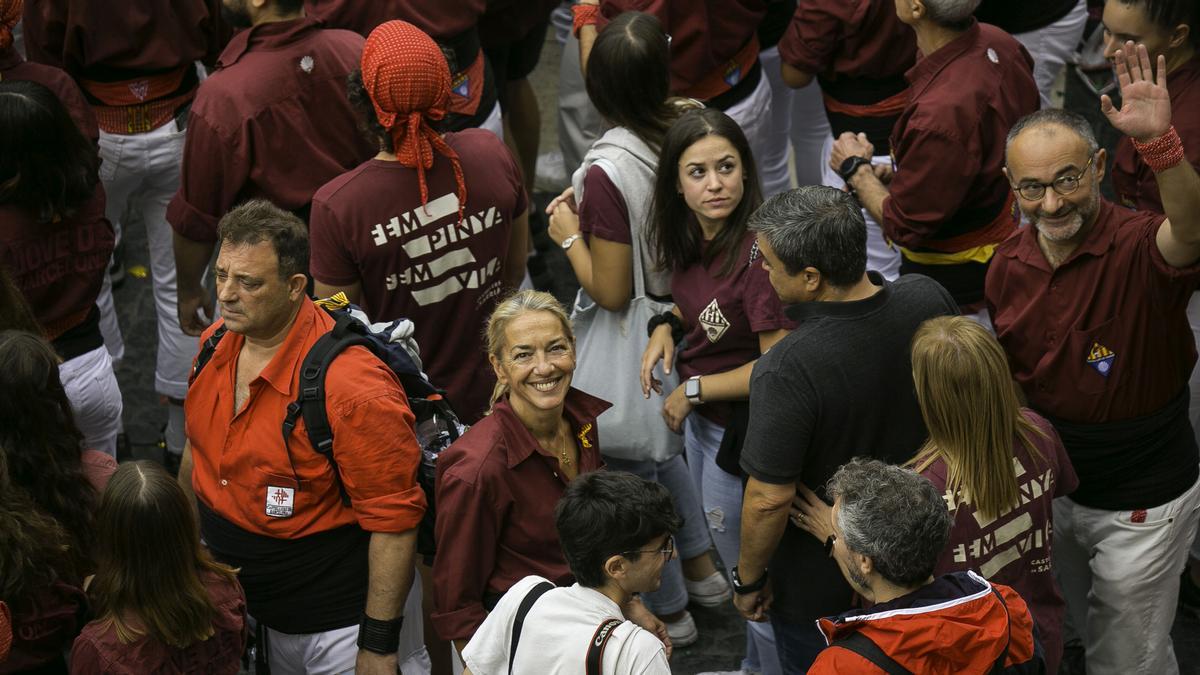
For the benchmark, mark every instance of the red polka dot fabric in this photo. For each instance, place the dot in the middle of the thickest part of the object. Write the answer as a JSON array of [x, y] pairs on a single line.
[[10, 14], [408, 80]]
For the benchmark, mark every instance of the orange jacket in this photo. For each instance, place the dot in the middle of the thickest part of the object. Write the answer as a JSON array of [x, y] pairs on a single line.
[[956, 625]]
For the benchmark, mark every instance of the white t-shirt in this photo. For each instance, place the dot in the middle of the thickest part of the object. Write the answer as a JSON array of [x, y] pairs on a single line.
[[556, 635]]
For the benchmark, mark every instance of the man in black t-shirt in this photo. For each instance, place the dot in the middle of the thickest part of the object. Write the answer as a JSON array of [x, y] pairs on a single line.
[[839, 386]]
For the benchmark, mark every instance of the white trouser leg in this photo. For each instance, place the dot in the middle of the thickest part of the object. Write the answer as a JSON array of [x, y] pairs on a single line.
[[1052, 46], [578, 121], [91, 387], [774, 160], [882, 256], [810, 128], [753, 115]]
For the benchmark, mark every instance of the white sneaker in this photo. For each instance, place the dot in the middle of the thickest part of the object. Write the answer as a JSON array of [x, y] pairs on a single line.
[[712, 591], [683, 632]]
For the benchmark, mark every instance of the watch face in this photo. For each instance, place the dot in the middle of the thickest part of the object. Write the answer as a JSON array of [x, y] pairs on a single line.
[[692, 388]]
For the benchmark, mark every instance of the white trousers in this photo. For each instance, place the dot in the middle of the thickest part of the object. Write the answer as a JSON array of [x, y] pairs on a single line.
[[1193, 313], [773, 162], [810, 128], [1120, 576], [334, 652], [91, 387], [1052, 47], [140, 174], [753, 115], [882, 256]]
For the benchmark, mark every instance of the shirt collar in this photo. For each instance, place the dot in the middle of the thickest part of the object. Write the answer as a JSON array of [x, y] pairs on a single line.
[[1098, 241], [9, 58], [266, 37], [854, 308], [281, 372], [580, 409], [927, 68]]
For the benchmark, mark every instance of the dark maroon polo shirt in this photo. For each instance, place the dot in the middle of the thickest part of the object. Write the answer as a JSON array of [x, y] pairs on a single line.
[[14, 68], [90, 40], [861, 39], [1132, 179], [705, 34], [496, 493], [438, 18], [273, 121], [1116, 291]]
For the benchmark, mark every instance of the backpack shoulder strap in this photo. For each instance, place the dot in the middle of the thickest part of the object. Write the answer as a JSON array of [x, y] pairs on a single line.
[[519, 619], [865, 647], [206, 351], [595, 652], [999, 666]]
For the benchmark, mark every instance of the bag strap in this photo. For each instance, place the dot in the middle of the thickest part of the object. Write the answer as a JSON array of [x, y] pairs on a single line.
[[206, 351], [519, 619], [999, 665], [865, 647], [595, 653]]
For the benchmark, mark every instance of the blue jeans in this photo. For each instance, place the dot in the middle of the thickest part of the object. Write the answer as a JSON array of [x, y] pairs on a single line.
[[721, 497], [691, 540], [798, 645]]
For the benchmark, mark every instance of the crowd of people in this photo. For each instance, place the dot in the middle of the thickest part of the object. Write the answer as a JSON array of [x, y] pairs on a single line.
[[860, 345]]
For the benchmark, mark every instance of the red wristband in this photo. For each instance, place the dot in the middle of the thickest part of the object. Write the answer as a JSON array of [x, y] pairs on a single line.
[[1161, 153], [585, 15]]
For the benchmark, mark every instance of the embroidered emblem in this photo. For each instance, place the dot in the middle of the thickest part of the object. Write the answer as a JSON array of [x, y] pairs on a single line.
[[1101, 358], [583, 436], [306, 64], [280, 501], [1137, 516], [733, 74], [991, 54], [713, 321], [461, 86], [140, 89]]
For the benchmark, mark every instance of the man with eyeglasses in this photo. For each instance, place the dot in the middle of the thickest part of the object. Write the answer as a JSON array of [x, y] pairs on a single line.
[[1089, 302], [616, 534]]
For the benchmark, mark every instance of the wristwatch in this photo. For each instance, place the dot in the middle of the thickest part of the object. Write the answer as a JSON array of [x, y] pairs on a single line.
[[691, 389], [566, 243], [744, 588], [850, 166]]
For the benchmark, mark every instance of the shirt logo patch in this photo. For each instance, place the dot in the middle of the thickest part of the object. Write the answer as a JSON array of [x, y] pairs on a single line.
[[280, 501], [583, 436], [733, 74], [306, 64], [461, 86], [713, 321], [991, 54], [1101, 358], [140, 89]]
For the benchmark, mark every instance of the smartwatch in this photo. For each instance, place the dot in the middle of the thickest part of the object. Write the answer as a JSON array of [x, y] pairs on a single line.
[[850, 166], [744, 588], [691, 389], [566, 243]]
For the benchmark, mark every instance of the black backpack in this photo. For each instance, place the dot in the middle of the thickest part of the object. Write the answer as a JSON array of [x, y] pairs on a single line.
[[436, 424]]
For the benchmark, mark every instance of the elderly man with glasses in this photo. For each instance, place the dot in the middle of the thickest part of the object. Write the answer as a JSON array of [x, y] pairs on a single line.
[[1089, 302]]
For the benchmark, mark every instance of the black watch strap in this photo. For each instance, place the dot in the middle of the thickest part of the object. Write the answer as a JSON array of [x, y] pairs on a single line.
[[744, 588], [850, 165]]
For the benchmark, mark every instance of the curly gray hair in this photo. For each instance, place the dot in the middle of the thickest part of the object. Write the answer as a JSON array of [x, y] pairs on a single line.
[[892, 515]]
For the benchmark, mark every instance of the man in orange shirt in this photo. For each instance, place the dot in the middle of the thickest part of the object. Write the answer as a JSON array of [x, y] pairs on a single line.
[[321, 573]]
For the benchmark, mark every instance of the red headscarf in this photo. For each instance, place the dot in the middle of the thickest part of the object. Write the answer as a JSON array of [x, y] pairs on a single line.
[[408, 80], [10, 14]]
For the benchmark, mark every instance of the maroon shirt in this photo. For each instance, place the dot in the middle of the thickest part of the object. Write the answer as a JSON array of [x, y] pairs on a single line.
[[724, 315], [43, 624], [88, 39], [98, 649], [1133, 181], [1015, 548], [58, 266], [860, 39], [948, 144], [603, 212], [705, 34], [496, 493], [368, 226], [273, 121], [439, 19], [14, 68]]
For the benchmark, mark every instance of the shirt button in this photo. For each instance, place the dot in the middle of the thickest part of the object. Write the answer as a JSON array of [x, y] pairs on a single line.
[[224, 482]]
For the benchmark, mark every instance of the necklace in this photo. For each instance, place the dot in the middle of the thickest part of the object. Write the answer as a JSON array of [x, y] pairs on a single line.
[[559, 445]]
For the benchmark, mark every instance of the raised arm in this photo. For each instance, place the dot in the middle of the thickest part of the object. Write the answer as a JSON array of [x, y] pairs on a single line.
[[1145, 116]]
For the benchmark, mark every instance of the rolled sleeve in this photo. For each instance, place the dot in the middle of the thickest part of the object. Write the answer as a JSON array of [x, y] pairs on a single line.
[[378, 454], [934, 174], [812, 37], [467, 530], [215, 167]]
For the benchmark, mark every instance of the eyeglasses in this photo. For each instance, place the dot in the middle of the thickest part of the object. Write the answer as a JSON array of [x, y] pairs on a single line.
[[666, 552], [1063, 185]]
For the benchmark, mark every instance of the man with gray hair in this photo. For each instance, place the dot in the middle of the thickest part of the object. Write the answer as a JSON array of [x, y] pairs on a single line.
[[1090, 303], [839, 385], [946, 203], [886, 530]]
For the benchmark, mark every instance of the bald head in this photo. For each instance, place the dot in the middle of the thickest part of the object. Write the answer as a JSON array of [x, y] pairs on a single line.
[[1051, 122]]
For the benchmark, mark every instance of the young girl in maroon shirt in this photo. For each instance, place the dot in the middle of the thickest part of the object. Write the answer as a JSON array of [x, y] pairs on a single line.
[[725, 309]]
